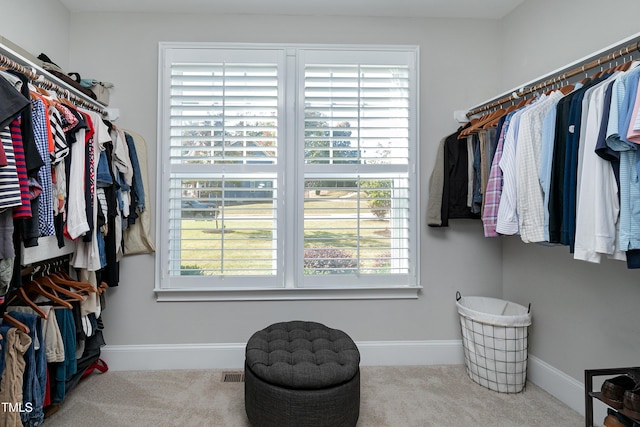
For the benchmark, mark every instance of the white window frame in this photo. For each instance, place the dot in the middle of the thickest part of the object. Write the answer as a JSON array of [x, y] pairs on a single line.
[[281, 286]]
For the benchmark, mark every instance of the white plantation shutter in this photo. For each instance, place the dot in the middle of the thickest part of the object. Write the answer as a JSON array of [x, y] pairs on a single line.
[[356, 114], [287, 167], [224, 113], [357, 137], [223, 129]]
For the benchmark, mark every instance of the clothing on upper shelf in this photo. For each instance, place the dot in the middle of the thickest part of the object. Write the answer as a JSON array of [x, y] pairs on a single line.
[[564, 170]]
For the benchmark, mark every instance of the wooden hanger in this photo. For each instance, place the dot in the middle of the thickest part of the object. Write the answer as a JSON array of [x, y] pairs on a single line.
[[103, 287], [567, 89], [625, 66], [481, 122], [21, 294], [48, 282], [9, 319], [37, 288], [513, 107], [59, 278], [36, 94]]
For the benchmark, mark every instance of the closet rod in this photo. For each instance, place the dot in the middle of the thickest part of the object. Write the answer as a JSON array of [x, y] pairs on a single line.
[[618, 52], [61, 89]]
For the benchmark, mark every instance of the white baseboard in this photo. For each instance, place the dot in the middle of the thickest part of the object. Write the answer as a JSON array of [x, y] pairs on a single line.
[[231, 356], [566, 389], [389, 353], [373, 353]]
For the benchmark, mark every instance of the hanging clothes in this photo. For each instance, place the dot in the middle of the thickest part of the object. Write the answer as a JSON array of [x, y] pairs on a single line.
[[137, 237], [49, 155], [15, 344], [564, 170], [458, 181]]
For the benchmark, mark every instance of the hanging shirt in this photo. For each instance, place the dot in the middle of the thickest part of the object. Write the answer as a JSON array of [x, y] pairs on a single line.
[[629, 231], [507, 222], [13, 103], [9, 182], [77, 223], [41, 135], [122, 160], [61, 151], [494, 184], [87, 254], [436, 187], [633, 134], [487, 149], [570, 171], [530, 198], [24, 210], [597, 203], [32, 157], [456, 180], [546, 159]]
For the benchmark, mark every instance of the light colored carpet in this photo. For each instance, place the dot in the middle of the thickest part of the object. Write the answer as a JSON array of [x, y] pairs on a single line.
[[402, 396]]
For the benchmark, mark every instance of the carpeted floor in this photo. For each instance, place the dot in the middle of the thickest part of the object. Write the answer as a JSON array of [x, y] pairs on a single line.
[[406, 396]]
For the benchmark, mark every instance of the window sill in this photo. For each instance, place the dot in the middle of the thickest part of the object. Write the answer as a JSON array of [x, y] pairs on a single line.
[[280, 294]]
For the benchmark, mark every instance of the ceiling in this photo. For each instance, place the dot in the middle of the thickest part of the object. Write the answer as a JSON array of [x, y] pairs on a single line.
[[487, 9]]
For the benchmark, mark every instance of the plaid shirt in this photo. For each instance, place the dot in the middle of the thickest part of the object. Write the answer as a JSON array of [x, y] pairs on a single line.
[[494, 186], [41, 133]]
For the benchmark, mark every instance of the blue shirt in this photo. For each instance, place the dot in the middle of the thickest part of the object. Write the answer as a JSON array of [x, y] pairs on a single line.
[[629, 234]]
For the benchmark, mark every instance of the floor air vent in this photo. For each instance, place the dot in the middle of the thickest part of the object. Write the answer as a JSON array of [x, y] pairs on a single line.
[[233, 377]]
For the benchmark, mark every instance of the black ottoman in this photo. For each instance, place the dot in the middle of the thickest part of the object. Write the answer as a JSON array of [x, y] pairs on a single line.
[[301, 374]]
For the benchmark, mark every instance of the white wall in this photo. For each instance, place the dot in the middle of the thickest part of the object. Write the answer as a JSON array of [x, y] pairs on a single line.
[[585, 316], [134, 317], [38, 26], [543, 35]]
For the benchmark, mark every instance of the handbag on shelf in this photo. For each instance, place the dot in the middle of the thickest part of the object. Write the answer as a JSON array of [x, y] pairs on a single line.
[[69, 79], [100, 89]]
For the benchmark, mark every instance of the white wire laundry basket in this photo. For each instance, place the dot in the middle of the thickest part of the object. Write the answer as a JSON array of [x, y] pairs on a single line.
[[494, 338]]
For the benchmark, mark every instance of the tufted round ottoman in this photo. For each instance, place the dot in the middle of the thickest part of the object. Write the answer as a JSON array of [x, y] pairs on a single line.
[[302, 374]]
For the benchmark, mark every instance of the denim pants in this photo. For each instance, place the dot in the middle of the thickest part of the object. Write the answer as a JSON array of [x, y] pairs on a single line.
[[61, 372], [3, 348], [35, 373]]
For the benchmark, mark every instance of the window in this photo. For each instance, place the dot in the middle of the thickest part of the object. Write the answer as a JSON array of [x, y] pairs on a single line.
[[287, 168]]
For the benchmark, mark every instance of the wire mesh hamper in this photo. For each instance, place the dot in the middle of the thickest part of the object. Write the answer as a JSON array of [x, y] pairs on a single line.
[[494, 340]]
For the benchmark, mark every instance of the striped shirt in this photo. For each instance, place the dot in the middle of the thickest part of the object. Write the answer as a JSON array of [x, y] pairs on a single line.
[[24, 210], [507, 210], [9, 184]]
